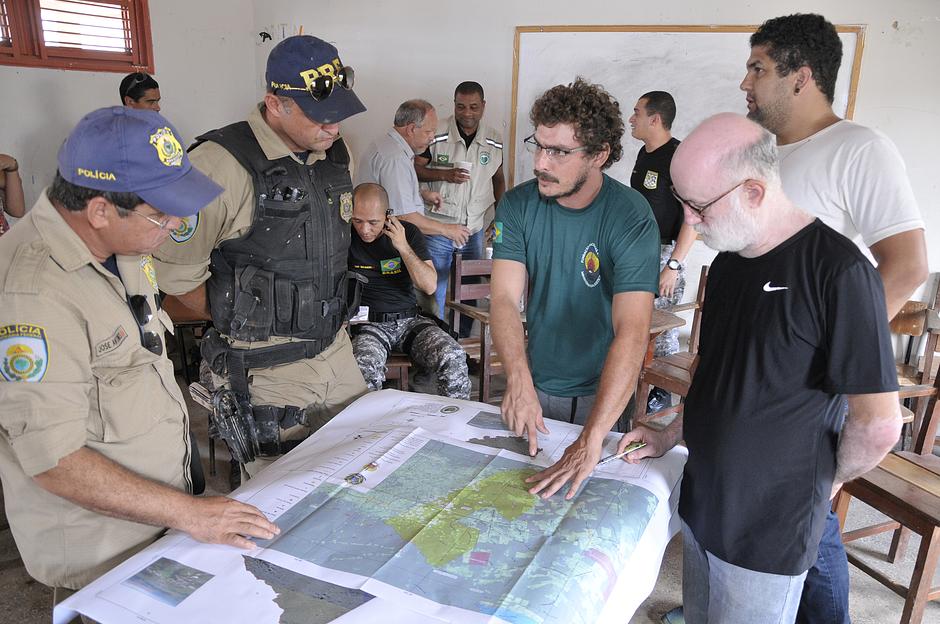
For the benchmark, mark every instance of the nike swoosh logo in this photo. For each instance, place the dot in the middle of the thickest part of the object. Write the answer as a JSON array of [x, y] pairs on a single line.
[[769, 288]]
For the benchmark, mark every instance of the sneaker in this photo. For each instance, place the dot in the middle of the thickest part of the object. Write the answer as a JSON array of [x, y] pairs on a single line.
[[658, 400]]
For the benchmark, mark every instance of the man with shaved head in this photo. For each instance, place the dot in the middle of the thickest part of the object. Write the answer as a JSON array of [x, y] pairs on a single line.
[[392, 255], [793, 325]]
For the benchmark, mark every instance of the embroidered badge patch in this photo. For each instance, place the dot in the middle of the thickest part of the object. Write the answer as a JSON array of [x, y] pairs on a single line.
[[345, 206], [168, 147], [146, 265], [392, 265], [591, 266], [112, 342], [484, 158], [497, 231], [186, 229], [24, 351], [443, 158], [651, 179]]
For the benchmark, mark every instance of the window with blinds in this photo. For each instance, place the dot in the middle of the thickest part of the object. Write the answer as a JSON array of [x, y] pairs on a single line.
[[90, 35]]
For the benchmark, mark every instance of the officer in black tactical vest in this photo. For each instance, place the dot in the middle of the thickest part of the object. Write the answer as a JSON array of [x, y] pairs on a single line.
[[266, 261]]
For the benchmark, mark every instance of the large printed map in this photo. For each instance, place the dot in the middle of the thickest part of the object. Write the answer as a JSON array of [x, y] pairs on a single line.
[[412, 509], [458, 527]]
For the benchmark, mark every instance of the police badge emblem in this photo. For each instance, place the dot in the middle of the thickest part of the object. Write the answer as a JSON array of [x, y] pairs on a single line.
[[146, 265], [484, 158], [651, 180], [24, 352], [345, 206], [168, 147]]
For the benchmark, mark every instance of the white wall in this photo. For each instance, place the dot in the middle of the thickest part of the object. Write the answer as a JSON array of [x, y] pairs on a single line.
[[205, 64], [414, 48], [210, 66]]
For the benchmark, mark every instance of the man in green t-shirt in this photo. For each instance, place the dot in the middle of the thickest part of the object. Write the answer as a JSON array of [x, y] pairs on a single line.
[[589, 246]]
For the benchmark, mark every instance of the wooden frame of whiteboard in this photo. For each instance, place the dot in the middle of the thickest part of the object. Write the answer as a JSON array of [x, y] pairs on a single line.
[[858, 30]]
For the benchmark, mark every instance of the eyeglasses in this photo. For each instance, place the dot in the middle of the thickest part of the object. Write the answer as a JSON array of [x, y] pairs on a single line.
[[322, 86], [162, 223], [700, 209], [143, 314], [556, 154]]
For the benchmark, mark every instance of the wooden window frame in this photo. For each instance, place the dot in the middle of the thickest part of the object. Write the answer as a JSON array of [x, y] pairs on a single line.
[[28, 49]]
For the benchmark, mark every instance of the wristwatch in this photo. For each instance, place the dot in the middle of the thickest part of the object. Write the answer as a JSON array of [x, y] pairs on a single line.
[[674, 264]]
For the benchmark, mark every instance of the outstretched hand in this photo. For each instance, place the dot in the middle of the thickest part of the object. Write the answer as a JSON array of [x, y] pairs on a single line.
[[222, 520], [576, 465]]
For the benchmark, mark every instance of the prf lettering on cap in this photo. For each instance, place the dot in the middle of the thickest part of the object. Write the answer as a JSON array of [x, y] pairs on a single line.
[[94, 174], [327, 69]]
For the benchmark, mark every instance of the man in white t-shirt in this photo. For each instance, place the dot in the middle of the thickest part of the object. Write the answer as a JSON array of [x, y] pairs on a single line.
[[851, 177]]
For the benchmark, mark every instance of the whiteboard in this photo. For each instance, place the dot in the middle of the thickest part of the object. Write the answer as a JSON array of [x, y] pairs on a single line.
[[701, 66]]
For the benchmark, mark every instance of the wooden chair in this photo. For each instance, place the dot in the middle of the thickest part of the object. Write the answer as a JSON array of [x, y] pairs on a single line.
[[478, 348], [905, 486], [672, 373], [397, 368], [917, 321]]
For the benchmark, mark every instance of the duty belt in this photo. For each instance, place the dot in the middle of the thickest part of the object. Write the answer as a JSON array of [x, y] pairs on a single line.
[[387, 317]]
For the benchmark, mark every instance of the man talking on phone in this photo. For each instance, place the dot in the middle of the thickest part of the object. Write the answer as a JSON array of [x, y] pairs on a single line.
[[393, 257]]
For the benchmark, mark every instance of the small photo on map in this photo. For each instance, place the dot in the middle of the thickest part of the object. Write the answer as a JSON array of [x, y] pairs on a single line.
[[168, 581], [488, 420]]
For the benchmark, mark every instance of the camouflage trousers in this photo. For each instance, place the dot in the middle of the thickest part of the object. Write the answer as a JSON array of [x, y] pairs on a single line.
[[431, 348], [668, 341]]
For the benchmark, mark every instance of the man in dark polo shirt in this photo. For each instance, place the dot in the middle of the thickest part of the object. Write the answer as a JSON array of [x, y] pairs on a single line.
[[392, 255], [793, 326], [651, 123]]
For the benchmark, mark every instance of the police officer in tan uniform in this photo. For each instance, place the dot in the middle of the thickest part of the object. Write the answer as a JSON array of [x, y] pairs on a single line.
[[464, 163], [94, 434], [266, 260]]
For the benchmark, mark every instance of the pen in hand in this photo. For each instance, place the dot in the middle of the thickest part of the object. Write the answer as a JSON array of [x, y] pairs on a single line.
[[630, 448]]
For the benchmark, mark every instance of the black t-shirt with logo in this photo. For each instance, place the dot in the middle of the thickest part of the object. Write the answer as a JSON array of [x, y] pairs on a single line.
[[651, 178], [784, 336], [390, 287]]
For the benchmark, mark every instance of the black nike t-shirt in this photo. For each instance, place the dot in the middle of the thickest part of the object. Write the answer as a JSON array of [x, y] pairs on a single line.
[[784, 336], [390, 287], [651, 178]]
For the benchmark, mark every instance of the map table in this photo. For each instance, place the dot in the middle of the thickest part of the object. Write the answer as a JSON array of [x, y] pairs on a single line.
[[412, 508]]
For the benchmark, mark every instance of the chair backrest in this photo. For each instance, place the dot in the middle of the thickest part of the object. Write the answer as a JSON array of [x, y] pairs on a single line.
[[697, 315], [460, 291]]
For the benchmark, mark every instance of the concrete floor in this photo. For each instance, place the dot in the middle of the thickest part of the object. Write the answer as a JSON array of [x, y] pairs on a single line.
[[24, 601]]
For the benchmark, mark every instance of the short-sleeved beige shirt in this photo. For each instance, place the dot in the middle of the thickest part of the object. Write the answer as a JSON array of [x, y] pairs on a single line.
[[74, 373]]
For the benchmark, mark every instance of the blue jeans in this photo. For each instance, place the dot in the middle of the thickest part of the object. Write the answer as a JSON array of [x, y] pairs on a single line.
[[717, 592], [826, 591], [441, 250]]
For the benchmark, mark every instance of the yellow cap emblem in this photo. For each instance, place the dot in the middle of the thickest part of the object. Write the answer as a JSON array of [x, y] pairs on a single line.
[[168, 147]]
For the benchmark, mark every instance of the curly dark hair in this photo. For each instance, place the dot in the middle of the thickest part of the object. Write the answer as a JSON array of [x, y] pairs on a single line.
[[803, 39], [594, 114]]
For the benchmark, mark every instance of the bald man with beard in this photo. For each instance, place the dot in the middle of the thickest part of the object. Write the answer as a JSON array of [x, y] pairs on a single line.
[[793, 325]]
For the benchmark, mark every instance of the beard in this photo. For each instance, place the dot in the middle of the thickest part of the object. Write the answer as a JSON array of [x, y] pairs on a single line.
[[574, 188], [736, 230]]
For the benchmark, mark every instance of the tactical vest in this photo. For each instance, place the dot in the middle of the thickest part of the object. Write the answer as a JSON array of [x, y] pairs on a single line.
[[287, 275]]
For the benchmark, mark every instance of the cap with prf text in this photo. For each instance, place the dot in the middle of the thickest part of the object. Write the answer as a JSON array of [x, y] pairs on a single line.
[[126, 150], [295, 62]]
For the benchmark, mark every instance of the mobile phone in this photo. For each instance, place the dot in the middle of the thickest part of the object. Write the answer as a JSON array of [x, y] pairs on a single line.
[[388, 213]]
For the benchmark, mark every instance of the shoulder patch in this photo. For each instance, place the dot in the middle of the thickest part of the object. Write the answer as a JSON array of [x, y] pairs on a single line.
[[439, 138], [495, 144], [186, 229], [24, 352]]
